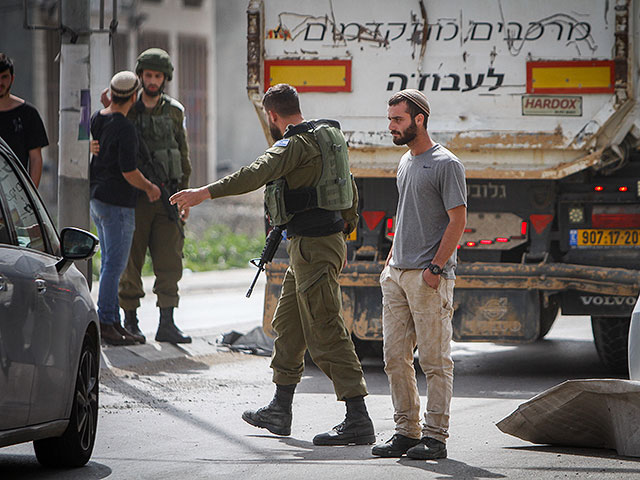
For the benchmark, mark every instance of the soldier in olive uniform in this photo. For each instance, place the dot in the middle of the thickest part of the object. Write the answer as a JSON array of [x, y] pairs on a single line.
[[309, 311], [160, 121]]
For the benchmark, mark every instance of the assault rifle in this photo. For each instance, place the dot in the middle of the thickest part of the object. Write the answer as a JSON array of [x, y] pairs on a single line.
[[270, 246], [151, 171]]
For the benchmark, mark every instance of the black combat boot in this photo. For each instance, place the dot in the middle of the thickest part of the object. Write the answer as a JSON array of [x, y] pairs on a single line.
[[131, 326], [428, 449], [357, 427], [167, 330], [396, 446], [275, 417]]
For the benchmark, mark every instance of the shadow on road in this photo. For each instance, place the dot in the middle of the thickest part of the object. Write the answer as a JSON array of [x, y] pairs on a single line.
[[578, 452], [26, 467], [449, 468], [489, 371]]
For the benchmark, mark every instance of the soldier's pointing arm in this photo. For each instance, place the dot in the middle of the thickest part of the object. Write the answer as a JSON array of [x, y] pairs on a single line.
[[275, 163]]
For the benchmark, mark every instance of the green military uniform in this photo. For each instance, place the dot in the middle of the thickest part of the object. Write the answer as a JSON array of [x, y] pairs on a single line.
[[163, 130], [309, 311]]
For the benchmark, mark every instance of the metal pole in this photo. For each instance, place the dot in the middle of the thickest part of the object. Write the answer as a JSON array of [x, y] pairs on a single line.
[[75, 111]]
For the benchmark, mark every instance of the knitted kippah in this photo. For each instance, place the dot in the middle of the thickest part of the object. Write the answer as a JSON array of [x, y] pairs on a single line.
[[417, 98], [124, 84]]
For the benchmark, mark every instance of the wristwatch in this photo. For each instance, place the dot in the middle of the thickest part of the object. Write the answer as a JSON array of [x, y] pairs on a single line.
[[435, 269]]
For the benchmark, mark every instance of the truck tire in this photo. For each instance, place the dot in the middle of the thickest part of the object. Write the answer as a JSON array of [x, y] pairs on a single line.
[[548, 316], [367, 348], [610, 335]]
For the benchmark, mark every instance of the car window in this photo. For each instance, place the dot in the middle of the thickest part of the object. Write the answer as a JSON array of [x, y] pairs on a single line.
[[21, 210], [49, 227], [4, 229]]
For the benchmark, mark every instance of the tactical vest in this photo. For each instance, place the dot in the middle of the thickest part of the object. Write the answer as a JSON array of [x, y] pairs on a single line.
[[333, 191], [158, 134]]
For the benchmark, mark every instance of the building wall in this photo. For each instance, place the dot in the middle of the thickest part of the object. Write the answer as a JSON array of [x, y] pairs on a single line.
[[240, 136]]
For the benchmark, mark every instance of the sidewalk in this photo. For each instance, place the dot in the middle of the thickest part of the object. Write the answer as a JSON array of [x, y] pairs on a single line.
[[196, 288]]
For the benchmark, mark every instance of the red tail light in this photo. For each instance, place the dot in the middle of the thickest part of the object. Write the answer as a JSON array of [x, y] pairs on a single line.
[[390, 230], [615, 216], [599, 188], [620, 220]]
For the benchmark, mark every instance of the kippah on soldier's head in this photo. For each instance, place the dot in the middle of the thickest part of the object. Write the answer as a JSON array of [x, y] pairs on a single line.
[[282, 99]]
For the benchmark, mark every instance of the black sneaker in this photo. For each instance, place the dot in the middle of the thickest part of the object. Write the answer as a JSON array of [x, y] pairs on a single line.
[[396, 446], [428, 449]]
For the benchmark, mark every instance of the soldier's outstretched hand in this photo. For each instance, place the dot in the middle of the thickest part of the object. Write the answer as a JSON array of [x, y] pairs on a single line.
[[185, 199]]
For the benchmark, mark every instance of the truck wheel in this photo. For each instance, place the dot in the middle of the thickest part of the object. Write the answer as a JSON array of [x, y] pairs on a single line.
[[367, 348], [610, 335], [74, 447], [548, 316]]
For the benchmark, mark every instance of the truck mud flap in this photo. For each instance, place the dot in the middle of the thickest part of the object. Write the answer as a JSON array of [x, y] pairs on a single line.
[[510, 316]]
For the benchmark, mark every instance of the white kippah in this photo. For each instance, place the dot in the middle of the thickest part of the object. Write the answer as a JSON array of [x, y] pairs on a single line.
[[124, 84]]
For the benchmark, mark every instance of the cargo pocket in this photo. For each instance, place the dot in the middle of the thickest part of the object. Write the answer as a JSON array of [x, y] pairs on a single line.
[[317, 299]]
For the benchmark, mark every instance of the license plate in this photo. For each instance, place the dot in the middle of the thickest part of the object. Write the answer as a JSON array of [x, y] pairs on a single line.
[[604, 238]]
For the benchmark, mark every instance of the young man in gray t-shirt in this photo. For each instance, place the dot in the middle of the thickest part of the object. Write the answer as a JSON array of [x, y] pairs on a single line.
[[417, 281]]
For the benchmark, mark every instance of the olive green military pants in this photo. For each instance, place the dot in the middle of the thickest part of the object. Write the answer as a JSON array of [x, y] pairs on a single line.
[[309, 316], [161, 235]]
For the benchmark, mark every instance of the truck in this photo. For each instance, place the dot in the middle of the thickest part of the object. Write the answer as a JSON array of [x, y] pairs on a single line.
[[539, 100]]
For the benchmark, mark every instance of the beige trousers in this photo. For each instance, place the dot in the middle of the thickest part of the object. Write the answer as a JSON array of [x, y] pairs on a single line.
[[415, 314]]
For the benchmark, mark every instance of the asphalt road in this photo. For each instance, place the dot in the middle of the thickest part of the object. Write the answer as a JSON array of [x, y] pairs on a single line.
[[179, 417]]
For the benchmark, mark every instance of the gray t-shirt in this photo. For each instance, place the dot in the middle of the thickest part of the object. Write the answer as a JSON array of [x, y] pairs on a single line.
[[429, 184]]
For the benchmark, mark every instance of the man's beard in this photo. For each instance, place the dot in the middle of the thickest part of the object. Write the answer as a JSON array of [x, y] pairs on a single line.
[[408, 135], [152, 93], [275, 131], [7, 91]]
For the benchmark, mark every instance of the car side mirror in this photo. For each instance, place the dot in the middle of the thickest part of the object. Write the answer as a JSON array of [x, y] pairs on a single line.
[[76, 244]]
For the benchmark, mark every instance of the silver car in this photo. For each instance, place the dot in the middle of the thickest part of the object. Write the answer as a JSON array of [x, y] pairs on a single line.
[[49, 331]]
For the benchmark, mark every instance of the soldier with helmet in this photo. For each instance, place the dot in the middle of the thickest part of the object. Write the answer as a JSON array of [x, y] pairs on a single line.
[[160, 123]]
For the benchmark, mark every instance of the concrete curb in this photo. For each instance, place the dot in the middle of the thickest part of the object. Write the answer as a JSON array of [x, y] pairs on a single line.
[[135, 356], [204, 341]]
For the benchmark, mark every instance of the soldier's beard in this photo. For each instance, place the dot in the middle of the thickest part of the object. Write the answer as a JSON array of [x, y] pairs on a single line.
[[407, 135], [153, 93], [275, 131]]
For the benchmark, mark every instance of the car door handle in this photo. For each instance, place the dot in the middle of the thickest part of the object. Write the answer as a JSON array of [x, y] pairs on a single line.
[[41, 285], [3, 284]]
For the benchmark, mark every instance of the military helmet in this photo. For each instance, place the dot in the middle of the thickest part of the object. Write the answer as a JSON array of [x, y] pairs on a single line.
[[155, 59]]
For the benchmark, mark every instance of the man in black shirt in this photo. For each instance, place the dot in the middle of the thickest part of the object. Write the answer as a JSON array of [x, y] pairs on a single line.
[[114, 177], [20, 124]]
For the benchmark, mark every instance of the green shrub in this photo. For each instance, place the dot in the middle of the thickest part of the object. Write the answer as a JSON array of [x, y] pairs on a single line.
[[218, 248]]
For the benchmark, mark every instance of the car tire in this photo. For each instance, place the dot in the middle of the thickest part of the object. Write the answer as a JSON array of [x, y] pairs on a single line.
[[611, 334], [74, 447]]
